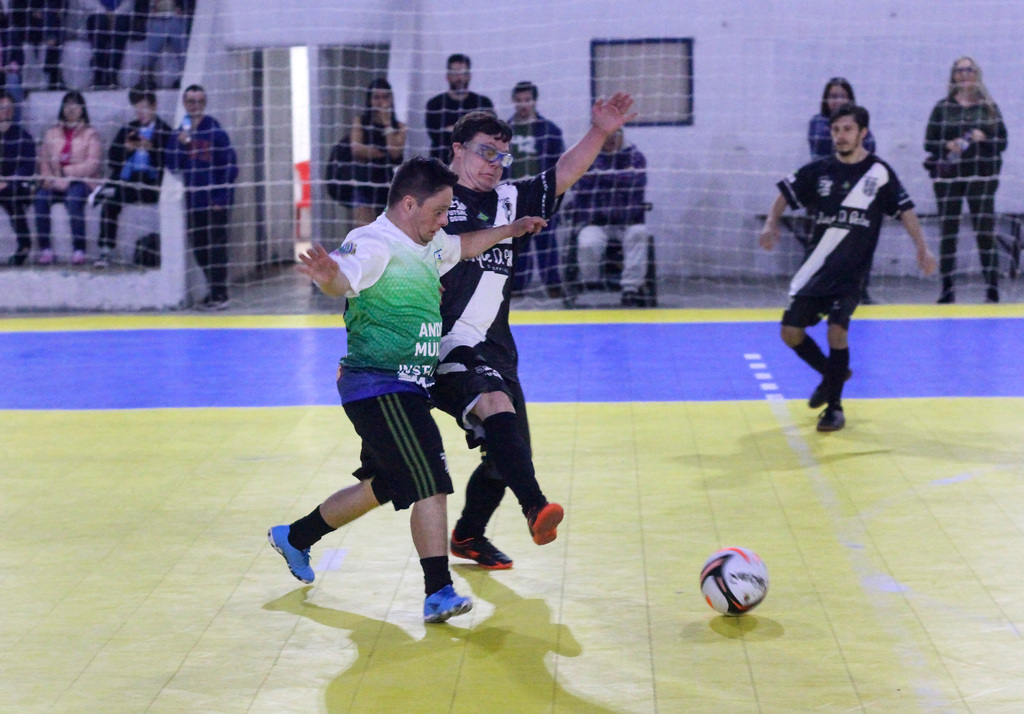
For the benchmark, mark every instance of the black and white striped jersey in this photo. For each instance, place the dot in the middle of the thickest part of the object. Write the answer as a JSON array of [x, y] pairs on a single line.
[[847, 203], [477, 291]]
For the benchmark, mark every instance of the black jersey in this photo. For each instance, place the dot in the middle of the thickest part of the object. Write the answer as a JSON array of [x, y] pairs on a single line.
[[474, 304], [847, 202]]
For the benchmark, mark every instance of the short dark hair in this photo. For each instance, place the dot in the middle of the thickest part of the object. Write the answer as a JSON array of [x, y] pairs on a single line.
[[525, 86], [480, 121], [421, 178], [459, 57], [859, 114], [141, 95], [4, 94], [193, 88]]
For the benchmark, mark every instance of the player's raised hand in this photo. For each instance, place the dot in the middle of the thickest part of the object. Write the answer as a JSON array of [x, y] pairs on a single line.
[[610, 115], [318, 264]]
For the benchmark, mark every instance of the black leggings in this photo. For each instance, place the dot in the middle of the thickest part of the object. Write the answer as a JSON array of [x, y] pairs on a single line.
[[980, 194]]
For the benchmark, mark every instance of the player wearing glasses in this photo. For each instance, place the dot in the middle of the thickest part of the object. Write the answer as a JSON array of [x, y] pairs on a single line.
[[477, 380]]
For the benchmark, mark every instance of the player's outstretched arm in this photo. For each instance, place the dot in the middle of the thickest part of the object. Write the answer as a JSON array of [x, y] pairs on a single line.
[[925, 258], [769, 237], [318, 264], [606, 117], [476, 242]]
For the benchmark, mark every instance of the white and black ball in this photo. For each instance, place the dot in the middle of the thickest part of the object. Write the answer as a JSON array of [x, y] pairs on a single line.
[[734, 581]]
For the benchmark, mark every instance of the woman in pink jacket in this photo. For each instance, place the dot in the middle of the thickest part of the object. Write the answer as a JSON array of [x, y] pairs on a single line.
[[70, 160]]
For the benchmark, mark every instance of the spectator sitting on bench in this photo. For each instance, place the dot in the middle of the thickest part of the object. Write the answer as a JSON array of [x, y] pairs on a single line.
[[609, 202], [136, 168], [70, 158], [17, 169]]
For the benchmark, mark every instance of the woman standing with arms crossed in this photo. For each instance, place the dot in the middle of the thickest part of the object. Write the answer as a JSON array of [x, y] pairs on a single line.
[[965, 138]]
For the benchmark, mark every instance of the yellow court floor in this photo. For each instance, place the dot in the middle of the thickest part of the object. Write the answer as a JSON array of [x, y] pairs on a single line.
[[135, 575]]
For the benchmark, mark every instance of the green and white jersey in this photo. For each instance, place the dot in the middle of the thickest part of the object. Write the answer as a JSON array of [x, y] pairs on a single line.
[[393, 316]]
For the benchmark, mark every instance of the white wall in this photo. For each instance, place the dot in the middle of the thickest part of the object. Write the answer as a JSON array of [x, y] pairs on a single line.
[[759, 72]]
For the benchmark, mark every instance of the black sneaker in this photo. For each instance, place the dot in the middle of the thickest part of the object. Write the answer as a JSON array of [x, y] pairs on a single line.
[[992, 295], [18, 258], [482, 551], [818, 396], [832, 419]]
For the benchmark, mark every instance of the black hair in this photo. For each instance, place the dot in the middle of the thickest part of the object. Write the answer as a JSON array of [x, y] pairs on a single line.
[[141, 95], [367, 118], [459, 57], [477, 122], [421, 178], [525, 86], [76, 97], [859, 114], [836, 82], [193, 88]]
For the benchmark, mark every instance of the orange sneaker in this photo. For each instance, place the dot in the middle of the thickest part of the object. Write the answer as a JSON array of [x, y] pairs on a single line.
[[544, 522]]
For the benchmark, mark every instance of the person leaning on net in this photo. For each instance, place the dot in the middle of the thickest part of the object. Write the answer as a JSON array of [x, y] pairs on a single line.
[[390, 273], [17, 171], [965, 139], [136, 161], [202, 154], [444, 109], [848, 193], [609, 201]]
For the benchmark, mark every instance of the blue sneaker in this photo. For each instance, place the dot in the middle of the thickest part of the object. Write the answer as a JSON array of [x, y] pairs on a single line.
[[445, 603], [298, 560]]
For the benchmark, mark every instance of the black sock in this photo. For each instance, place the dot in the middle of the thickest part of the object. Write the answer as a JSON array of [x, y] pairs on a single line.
[[308, 530], [810, 353], [510, 456], [835, 375], [435, 573], [483, 494]]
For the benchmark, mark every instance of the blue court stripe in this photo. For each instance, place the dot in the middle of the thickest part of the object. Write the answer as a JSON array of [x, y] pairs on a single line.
[[152, 368]]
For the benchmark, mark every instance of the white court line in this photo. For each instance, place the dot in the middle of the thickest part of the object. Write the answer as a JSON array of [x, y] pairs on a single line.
[[877, 585], [331, 559]]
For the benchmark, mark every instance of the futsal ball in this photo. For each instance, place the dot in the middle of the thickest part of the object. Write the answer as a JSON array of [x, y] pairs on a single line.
[[734, 581]]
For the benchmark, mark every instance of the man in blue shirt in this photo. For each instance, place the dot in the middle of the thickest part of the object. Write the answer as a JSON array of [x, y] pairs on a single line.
[[202, 153], [535, 146]]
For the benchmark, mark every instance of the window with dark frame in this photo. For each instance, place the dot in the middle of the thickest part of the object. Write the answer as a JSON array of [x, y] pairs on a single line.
[[657, 72]]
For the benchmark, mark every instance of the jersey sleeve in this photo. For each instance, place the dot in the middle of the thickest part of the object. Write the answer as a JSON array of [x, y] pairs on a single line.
[[537, 195], [895, 199], [798, 188], [448, 251], [362, 259]]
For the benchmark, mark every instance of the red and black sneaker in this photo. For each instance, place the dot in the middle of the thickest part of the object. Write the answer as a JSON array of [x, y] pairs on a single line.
[[482, 551], [544, 522]]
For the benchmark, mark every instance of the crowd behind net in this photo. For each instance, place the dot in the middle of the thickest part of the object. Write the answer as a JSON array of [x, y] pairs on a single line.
[[725, 99]]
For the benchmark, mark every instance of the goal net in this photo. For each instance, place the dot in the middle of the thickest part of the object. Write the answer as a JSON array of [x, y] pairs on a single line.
[[725, 94]]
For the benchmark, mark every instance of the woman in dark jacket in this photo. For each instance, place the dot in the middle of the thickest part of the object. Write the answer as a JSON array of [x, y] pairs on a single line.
[[965, 138], [378, 143]]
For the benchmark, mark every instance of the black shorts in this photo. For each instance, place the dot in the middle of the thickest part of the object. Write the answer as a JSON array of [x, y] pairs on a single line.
[[808, 311], [459, 380], [401, 447]]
